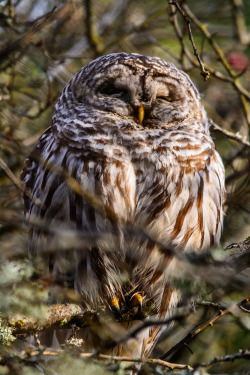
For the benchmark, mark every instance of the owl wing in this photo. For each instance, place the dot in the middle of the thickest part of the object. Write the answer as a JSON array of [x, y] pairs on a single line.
[[182, 208], [87, 191]]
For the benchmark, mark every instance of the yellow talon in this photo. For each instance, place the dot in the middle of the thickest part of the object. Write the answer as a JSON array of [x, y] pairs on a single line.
[[137, 300], [114, 303], [141, 114]]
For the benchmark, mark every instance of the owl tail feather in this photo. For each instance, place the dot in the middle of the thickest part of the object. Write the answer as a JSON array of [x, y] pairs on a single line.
[[149, 343]]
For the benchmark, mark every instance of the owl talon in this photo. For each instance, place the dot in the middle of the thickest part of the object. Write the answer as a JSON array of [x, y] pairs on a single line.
[[114, 303], [137, 300]]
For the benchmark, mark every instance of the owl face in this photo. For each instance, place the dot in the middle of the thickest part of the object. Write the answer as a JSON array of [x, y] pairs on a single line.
[[121, 84]]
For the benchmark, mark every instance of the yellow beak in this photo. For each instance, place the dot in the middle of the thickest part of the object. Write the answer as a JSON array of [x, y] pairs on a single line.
[[141, 114]]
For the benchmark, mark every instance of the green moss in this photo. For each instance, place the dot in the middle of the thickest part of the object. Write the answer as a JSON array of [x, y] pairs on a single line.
[[63, 322], [20, 323], [6, 337]]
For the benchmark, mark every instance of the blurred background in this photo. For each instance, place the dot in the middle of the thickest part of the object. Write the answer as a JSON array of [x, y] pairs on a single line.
[[42, 44]]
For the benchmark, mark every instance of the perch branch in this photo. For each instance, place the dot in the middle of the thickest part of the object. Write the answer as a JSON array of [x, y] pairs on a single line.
[[65, 316], [238, 257]]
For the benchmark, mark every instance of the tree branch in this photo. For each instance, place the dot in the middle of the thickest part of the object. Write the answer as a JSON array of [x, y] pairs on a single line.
[[242, 92], [242, 354], [235, 137], [201, 327], [23, 40], [33, 355], [205, 73], [65, 316]]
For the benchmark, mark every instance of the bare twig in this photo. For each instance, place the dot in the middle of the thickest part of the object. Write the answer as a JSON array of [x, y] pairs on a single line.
[[91, 29], [240, 23], [233, 78], [24, 40], [205, 73], [244, 309], [235, 137], [179, 315], [143, 25], [17, 183], [242, 354], [242, 92], [208, 304], [187, 53], [34, 354], [201, 327]]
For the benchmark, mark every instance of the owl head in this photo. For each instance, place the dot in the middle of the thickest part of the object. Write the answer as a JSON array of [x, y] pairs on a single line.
[[147, 91]]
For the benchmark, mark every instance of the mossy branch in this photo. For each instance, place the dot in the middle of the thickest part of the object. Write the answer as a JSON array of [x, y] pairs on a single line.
[[62, 316], [66, 316]]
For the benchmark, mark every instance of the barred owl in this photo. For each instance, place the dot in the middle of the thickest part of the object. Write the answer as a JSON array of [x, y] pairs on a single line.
[[129, 147]]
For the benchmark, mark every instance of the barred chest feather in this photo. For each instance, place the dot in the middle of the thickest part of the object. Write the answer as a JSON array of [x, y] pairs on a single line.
[[170, 181]]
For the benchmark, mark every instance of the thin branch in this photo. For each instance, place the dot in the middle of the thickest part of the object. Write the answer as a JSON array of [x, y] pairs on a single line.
[[213, 72], [17, 183], [242, 354], [180, 314], [208, 304], [153, 361], [91, 29], [33, 355], [235, 137], [240, 23], [25, 39], [205, 73], [200, 328], [233, 78], [153, 40], [143, 25], [242, 92], [236, 176]]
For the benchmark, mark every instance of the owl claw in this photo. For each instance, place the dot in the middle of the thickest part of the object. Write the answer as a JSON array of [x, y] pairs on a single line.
[[114, 303], [137, 300]]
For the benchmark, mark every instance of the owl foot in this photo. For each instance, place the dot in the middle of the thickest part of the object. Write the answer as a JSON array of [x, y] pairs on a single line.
[[114, 303], [137, 300]]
